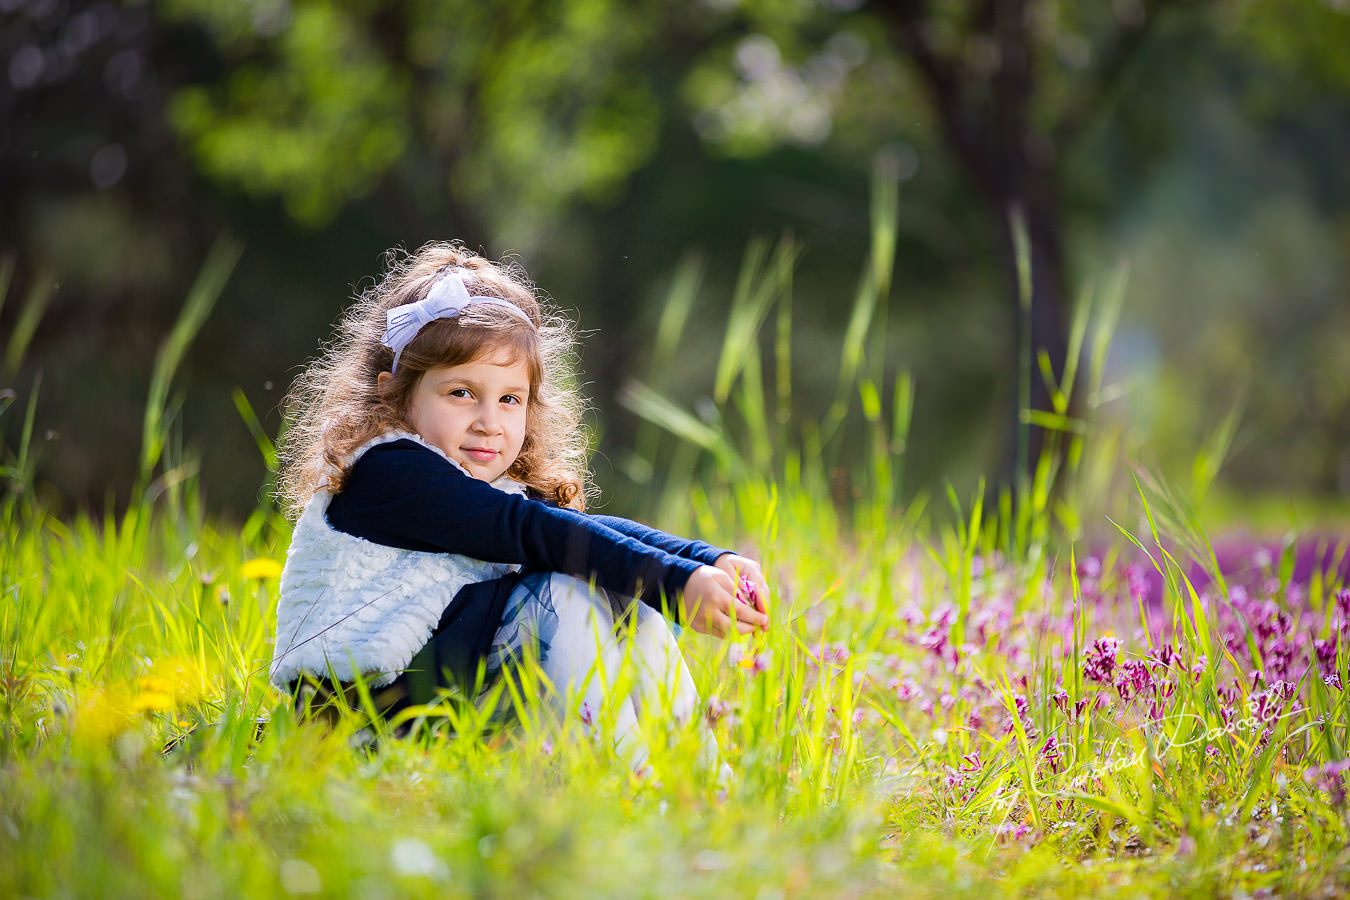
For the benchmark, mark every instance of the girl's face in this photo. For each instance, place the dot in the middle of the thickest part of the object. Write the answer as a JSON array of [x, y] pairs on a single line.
[[474, 412]]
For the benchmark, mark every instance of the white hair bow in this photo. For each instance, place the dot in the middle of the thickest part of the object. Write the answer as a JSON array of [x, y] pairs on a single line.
[[447, 298]]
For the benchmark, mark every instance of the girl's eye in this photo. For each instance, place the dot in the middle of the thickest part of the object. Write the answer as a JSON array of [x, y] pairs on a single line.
[[460, 392], [511, 398]]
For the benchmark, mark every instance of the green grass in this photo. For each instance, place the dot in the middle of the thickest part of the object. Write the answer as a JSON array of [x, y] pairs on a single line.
[[870, 761]]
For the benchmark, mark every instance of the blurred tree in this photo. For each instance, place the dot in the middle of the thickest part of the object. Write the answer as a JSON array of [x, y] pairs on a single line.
[[526, 106], [1009, 87], [504, 110], [585, 131]]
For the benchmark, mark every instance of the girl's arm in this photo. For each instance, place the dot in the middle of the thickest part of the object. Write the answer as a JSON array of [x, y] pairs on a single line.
[[402, 494], [728, 561], [685, 548]]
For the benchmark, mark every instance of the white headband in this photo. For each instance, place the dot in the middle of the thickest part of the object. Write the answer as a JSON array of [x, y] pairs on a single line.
[[447, 298]]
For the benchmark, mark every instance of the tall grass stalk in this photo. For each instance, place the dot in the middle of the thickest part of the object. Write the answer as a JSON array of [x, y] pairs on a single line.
[[201, 297], [30, 314]]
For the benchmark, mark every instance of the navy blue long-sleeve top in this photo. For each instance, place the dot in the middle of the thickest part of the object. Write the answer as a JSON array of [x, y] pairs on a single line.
[[402, 494]]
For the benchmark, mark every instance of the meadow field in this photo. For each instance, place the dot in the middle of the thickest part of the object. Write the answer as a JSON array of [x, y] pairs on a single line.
[[1067, 689]]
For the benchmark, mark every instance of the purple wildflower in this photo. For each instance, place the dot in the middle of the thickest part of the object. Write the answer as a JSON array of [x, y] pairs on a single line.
[[1140, 586], [1024, 716], [754, 663], [934, 640], [836, 653], [912, 615], [1134, 678], [1330, 778], [905, 690], [1100, 663], [1260, 705], [1326, 653], [1050, 753], [747, 593], [1167, 656], [1013, 830]]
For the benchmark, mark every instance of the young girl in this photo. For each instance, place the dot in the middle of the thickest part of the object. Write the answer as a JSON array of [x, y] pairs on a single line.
[[437, 465]]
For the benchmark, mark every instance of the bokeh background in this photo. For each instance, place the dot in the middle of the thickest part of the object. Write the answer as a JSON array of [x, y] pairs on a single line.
[[1201, 145]]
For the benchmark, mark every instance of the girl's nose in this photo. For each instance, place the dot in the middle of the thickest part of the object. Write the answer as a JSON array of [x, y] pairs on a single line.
[[486, 421]]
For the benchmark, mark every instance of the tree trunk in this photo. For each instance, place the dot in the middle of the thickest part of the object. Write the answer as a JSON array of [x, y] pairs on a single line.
[[984, 115], [1043, 327]]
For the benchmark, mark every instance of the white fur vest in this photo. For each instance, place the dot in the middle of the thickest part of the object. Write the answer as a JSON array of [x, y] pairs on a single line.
[[350, 605]]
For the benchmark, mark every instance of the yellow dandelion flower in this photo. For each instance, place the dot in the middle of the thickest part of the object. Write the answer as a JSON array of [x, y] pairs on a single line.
[[180, 676], [151, 701], [99, 717], [260, 568], [153, 684]]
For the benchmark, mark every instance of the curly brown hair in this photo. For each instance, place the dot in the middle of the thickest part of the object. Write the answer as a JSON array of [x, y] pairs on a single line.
[[337, 404]]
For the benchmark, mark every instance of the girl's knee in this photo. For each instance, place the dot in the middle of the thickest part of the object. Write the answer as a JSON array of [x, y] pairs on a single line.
[[577, 599]]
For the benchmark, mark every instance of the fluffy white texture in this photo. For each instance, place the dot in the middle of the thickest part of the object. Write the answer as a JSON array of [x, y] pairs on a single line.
[[349, 605]]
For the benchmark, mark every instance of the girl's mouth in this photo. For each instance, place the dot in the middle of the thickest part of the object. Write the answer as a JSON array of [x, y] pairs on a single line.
[[480, 454]]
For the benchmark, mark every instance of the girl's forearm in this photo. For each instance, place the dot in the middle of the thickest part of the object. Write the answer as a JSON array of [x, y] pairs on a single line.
[[685, 548]]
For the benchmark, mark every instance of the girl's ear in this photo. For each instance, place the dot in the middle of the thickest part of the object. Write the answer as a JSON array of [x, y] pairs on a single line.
[[382, 381]]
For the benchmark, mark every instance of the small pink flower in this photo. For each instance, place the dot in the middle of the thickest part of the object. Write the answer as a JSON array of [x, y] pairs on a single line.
[[747, 593], [1330, 778], [1099, 664], [1326, 653], [755, 663], [836, 653], [1050, 752], [1013, 830], [904, 690]]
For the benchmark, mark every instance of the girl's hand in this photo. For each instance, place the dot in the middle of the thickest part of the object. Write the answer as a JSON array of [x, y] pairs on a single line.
[[709, 603], [741, 566]]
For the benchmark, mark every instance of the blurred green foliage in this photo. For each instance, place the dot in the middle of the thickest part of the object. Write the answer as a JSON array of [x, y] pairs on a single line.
[[600, 141], [537, 101], [317, 123]]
